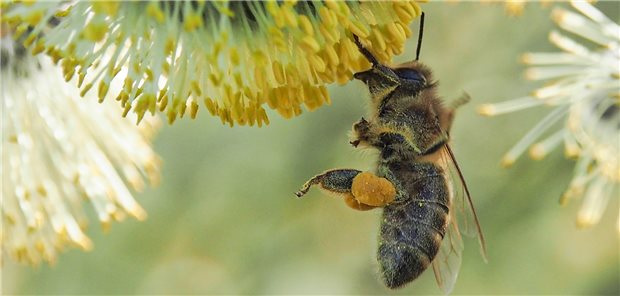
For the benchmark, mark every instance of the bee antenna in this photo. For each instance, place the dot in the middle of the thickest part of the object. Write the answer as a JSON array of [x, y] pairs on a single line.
[[420, 34], [365, 51]]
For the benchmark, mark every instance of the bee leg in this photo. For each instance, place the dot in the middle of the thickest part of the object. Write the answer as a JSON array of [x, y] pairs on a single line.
[[447, 117], [335, 181], [462, 100], [361, 190], [364, 133]]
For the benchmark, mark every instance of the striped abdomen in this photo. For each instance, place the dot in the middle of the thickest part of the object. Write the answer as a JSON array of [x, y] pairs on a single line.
[[413, 226]]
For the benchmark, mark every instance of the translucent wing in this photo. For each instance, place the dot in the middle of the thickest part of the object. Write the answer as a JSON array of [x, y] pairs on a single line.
[[462, 206], [462, 219], [447, 263]]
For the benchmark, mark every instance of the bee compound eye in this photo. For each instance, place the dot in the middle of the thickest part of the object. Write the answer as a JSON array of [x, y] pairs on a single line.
[[409, 74]]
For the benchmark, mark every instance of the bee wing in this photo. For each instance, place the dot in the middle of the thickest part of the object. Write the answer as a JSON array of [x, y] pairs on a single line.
[[462, 219], [447, 263], [462, 209]]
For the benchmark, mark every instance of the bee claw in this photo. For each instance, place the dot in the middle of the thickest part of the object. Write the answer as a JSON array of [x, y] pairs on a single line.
[[354, 143]]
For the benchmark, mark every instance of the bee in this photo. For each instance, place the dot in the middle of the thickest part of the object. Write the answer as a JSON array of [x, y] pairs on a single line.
[[417, 181]]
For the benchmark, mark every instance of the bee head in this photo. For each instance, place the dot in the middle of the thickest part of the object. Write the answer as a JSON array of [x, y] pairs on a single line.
[[411, 77]]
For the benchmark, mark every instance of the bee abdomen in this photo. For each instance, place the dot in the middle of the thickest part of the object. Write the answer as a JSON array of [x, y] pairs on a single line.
[[409, 240], [401, 263]]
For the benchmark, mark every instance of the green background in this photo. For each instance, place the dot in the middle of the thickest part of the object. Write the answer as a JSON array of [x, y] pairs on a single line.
[[225, 219]]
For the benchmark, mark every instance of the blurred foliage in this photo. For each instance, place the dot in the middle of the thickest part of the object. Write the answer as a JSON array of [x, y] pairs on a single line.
[[225, 219]]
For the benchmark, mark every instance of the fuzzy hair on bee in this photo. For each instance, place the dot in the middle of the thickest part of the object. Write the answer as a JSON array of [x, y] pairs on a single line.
[[416, 177]]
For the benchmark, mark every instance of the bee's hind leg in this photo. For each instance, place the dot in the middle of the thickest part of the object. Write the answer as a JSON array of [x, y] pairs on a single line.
[[361, 190], [336, 181]]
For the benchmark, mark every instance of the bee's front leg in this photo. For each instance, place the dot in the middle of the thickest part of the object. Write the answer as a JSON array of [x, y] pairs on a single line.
[[364, 133], [361, 190]]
